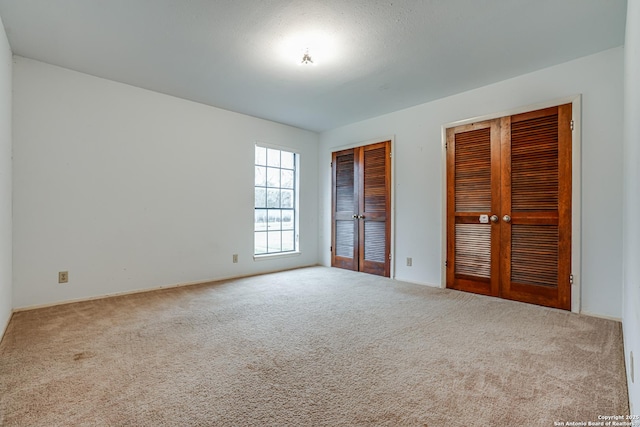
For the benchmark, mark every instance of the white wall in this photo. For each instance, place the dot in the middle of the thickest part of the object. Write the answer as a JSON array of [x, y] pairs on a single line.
[[5, 181], [130, 189], [418, 169], [631, 227]]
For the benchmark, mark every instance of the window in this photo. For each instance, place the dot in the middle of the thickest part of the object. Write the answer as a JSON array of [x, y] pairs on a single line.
[[276, 199]]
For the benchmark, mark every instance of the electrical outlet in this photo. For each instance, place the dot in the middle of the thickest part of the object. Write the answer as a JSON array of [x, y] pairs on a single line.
[[409, 262], [63, 277], [235, 258]]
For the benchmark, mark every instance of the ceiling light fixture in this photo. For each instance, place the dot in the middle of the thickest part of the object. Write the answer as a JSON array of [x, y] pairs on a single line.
[[308, 49], [306, 58]]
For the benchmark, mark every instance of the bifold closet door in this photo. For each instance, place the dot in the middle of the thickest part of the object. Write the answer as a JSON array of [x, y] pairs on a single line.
[[473, 202], [344, 236], [536, 207], [374, 219], [361, 209], [509, 207]]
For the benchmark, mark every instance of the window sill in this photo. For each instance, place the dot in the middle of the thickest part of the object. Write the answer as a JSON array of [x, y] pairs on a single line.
[[276, 256]]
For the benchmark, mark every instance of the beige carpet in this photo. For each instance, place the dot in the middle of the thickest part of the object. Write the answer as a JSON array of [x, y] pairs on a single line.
[[310, 347]]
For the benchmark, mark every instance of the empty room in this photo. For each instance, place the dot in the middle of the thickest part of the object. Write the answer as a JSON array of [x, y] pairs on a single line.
[[305, 213]]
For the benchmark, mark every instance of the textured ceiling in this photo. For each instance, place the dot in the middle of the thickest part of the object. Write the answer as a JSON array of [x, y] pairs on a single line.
[[371, 57]]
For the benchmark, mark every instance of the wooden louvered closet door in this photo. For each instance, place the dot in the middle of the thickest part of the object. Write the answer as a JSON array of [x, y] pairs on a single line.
[[517, 171], [536, 265], [473, 176], [361, 209], [344, 241]]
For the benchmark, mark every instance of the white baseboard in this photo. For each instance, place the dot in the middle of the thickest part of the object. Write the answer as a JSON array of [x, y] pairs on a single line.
[[155, 288], [415, 282], [6, 326], [600, 316], [111, 295]]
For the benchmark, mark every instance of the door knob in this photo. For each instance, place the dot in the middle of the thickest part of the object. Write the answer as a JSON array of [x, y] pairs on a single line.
[[494, 218], [354, 216], [506, 218], [361, 216]]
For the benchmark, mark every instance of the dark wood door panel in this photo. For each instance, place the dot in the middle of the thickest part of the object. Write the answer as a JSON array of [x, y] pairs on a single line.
[[361, 221], [344, 230], [536, 263], [519, 169], [473, 190], [375, 208]]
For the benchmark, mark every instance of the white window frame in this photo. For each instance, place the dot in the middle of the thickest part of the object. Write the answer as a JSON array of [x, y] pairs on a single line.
[[296, 205]]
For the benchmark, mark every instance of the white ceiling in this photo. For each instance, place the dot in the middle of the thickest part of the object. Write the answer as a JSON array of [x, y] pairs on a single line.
[[380, 56]]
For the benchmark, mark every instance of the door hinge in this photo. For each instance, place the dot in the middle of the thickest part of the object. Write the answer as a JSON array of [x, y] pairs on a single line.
[[571, 124], [330, 248], [446, 263], [389, 257], [571, 279], [389, 154], [446, 145]]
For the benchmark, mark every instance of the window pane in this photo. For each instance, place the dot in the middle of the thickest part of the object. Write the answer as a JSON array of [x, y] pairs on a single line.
[[286, 179], [274, 243], [260, 244], [261, 197], [287, 160], [261, 176], [275, 195], [275, 219], [273, 157], [286, 199], [287, 219], [273, 198], [261, 156], [273, 177], [288, 244], [260, 223]]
